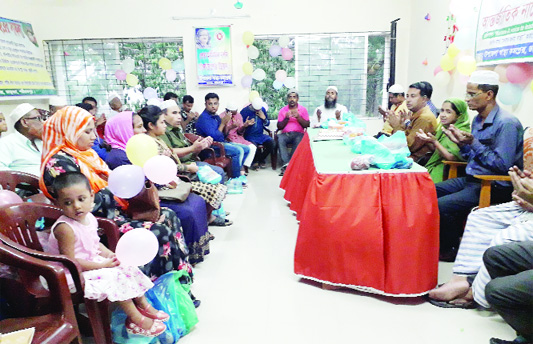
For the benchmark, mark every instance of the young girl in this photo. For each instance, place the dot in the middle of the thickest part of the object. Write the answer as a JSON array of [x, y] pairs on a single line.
[[75, 235]]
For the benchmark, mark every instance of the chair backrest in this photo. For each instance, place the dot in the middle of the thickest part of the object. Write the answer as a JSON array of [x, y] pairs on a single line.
[[528, 149], [9, 180]]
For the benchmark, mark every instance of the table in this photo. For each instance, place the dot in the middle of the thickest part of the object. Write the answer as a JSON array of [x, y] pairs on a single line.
[[374, 230]]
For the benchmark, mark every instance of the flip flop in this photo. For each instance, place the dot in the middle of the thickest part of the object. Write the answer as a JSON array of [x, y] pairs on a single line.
[[449, 304], [218, 221]]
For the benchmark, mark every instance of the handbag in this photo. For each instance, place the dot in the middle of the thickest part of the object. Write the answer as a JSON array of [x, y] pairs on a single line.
[[145, 206], [179, 193]]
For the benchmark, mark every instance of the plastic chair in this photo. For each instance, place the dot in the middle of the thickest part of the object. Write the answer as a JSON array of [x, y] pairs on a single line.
[[29, 183], [17, 223], [57, 326], [273, 154], [222, 161]]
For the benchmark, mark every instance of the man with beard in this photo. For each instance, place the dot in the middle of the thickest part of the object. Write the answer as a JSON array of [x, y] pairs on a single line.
[[292, 120], [330, 109]]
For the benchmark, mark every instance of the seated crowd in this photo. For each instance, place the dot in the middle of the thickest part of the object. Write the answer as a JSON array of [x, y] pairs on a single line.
[[492, 253]]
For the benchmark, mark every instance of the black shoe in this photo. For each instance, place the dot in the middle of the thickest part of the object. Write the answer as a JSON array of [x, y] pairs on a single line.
[[197, 303], [518, 340], [448, 255]]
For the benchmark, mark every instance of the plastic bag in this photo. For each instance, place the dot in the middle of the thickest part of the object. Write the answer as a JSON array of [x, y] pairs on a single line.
[[396, 143], [383, 158], [353, 121], [207, 175], [234, 186]]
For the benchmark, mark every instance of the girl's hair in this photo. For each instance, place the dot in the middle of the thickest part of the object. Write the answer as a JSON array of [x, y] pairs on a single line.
[[454, 108], [150, 114], [68, 179]]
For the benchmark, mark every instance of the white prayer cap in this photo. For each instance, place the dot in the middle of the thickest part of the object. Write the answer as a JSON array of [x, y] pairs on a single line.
[[396, 88], [484, 77], [156, 102], [57, 101], [334, 88], [112, 96], [164, 105], [232, 106], [293, 90], [19, 112]]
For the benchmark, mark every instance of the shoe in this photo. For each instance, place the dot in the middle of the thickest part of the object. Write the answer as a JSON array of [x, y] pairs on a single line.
[[254, 167], [154, 331], [262, 166], [448, 255], [218, 221], [501, 341], [450, 304], [281, 173], [197, 303], [160, 315]]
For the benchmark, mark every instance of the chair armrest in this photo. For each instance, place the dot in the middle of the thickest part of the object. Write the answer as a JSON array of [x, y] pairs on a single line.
[[184, 178], [268, 131], [111, 231], [221, 147], [211, 153], [494, 178], [454, 163]]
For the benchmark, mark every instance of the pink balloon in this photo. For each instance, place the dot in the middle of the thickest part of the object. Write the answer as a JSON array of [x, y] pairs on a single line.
[[518, 73], [281, 75], [120, 74], [287, 54], [9, 197], [437, 70], [160, 169], [246, 81], [137, 247]]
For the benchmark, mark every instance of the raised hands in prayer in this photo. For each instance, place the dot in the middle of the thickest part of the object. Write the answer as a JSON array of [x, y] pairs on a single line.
[[457, 136], [338, 115], [426, 137], [249, 122], [318, 114], [523, 187]]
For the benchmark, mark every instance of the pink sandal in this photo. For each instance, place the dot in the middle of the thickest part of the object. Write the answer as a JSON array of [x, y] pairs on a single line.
[[160, 315], [154, 331]]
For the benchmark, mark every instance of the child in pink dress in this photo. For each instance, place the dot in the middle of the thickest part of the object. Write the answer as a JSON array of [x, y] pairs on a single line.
[[75, 235], [234, 131]]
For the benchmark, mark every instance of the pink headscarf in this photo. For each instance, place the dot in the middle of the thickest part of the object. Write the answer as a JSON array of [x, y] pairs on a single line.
[[119, 129]]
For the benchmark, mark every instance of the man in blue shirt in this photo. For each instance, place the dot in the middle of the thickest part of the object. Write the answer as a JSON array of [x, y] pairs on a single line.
[[494, 146], [254, 133], [210, 124]]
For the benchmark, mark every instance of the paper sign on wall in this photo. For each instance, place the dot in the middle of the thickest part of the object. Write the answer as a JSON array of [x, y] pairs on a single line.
[[213, 56]]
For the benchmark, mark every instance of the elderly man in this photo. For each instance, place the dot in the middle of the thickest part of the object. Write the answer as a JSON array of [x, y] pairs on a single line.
[[189, 117], [21, 150], [186, 151], [418, 117], [292, 121], [115, 104], [55, 103], [494, 146], [397, 101], [330, 109], [254, 133]]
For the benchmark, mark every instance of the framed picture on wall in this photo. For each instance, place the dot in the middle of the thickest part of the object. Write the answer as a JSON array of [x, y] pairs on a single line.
[[213, 56]]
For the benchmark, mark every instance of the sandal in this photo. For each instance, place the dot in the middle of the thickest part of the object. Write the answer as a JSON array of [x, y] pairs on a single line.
[[160, 315], [218, 221], [459, 303], [154, 331]]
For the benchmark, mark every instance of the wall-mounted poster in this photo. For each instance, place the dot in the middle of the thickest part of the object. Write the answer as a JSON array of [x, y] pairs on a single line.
[[505, 32], [213, 56], [22, 68]]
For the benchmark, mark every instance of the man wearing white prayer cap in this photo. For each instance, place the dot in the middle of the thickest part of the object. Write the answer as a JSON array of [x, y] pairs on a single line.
[[397, 101], [494, 146], [55, 103], [21, 150], [154, 101], [115, 104], [330, 109]]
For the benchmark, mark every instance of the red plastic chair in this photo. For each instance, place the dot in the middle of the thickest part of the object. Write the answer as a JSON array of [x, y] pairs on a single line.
[[11, 180]]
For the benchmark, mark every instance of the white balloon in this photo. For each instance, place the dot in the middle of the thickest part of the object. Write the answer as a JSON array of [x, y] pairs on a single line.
[[128, 65], [290, 82], [284, 41], [137, 247], [265, 105], [253, 52], [442, 78], [258, 74]]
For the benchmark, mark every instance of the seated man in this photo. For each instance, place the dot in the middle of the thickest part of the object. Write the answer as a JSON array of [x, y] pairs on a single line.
[[234, 130], [292, 120], [493, 147], [3, 124], [189, 117], [56, 103], [419, 117], [210, 124], [183, 148], [254, 133], [21, 150], [397, 101], [330, 109], [115, 104]]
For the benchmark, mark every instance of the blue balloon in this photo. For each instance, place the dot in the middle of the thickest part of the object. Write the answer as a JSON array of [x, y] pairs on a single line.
[[274, 50], [277, 84], [178, 65], [510, 94]]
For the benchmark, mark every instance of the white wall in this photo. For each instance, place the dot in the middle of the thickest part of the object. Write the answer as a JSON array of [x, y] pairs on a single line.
[[75, 19]]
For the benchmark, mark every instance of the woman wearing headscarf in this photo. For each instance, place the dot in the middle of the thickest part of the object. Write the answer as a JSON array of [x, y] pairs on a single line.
[[67, 139], [454, 111], [192, 212]]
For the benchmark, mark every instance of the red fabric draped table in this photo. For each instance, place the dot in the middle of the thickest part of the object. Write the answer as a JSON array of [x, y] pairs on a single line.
[[374, 230]]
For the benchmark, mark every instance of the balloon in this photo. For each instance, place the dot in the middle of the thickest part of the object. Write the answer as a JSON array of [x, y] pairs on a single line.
[[9, 197], [510, 94], [165, 63], [277, 84], [284, 41], [259, 74], [248, 38], [149, 93], [518, 73], [128, 65], [502, 72], [464, 38], [120, 74], [160, 169], [463, 79], [247, 68], [170, 74], [257, 102], [132, 80], [274, 50], [446, 63], [442, 78], [265, 105], [531, 86], [137, 247], [290, 82], [287, 54], [178, 65], [466, 65], [253, 95], [437, 70], [281, 75], [126, 181], [453, 50], [253, 52], [140, 148], [246, 81]]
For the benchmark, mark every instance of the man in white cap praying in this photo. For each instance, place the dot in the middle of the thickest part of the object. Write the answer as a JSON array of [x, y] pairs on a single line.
[[397, 104], [21, 150], [255, 132], [55, 103], [330, 109], [494, 146], [115, 104]]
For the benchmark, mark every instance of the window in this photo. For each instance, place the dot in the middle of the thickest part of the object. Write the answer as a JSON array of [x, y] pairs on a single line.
[[87, 67]]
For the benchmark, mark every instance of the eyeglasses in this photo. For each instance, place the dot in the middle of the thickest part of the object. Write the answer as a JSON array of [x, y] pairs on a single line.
[[469, 96], [39, 118]]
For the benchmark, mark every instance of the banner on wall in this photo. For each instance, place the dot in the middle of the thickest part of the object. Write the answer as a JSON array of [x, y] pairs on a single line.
[[505, 32], [213, 56], [22, 68]]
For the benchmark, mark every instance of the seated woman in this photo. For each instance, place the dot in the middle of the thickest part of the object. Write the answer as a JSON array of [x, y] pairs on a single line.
[[234, 131], [454, 111], [154, 123], [67, 139], [192, 213]]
